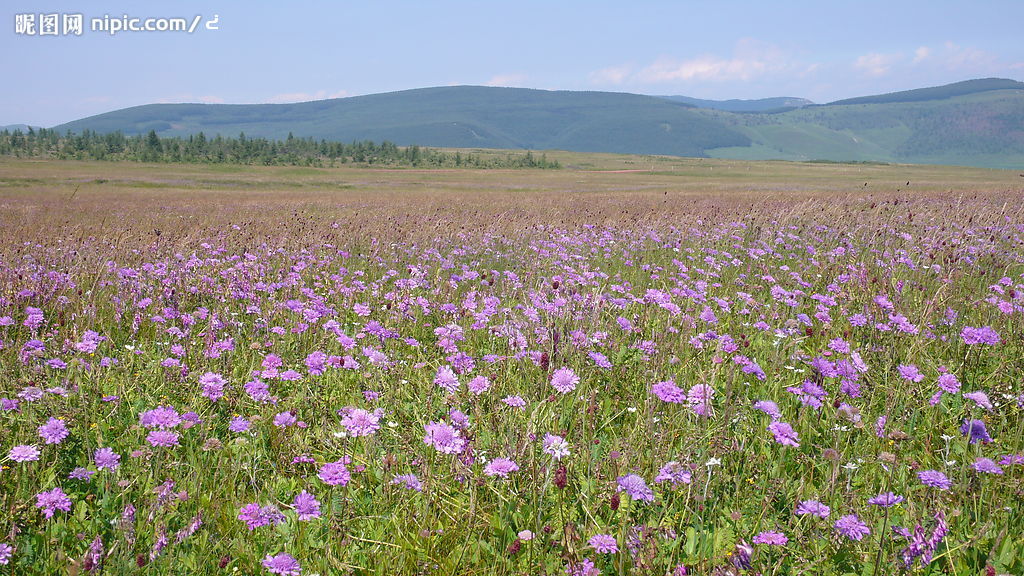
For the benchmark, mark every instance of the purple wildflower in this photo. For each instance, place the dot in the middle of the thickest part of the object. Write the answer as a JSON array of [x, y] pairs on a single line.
[[949, 383], [106, 459], [359, 422], [500, 467], [555, 446], [443, 438], [53, 500], [784, 434], [479, 385], [975, 430], [604, 544], [886, 500], [24, 453], [675, 473], [213, 385], [983, 335], [81, 473], [164, 438], [306, 505], [6, 551], [771, 538], [910, 372], [636, 487], [768, 407], [446, 378], [408, 481], [812, 507], [54, 431], [987, 466], [514, 401], [161, 417], [564, 380], [667, 391], [699, 398], [851, 527], [285, 419], [979, 398], [283, 564], [238, 425], [335, 473], [935, 479]]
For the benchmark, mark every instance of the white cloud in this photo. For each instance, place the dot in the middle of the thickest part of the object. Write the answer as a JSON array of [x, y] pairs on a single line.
[[876, 64], [965, 58], [751, 59], [507, 80], [211, 99], [614, 75], [921, 54]]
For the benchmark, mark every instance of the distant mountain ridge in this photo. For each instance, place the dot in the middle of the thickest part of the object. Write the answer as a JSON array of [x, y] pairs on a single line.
[[977, 122], [758, 105]]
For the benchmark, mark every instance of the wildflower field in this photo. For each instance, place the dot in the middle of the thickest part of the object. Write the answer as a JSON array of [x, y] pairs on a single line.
[[696, 367]]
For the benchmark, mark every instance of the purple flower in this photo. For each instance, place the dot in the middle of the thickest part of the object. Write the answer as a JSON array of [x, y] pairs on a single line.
[[556, 446], [335, 473], [238, 425], [54, 431], [284, 564], [165, 438], [771, 538], [636, 487], [446, 378], [604, 544], [784, 434], [479, 385], [949, 383], [255, 515], [6, 551], [675, 473], [975, 430], [1011, 460], [886, 500], [667, 391], [983, 335], [910, 372], [106, 459], [699, 398], [53, 500], [306, 505], [80, 473], [285, 419], [161, 417], [812, 507], [979, 398], [987, 466], [443, 438], [851, 527], [24, 453], [935, 479], [768, 407], [359, 422], [564, 380], [514, 401], [213, 385], [408, 481], [500, 467]]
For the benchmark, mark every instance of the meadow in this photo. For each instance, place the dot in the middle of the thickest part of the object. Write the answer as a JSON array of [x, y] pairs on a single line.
[[630, 365]]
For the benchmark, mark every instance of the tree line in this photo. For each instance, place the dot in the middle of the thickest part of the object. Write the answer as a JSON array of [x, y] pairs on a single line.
[[292, 151]]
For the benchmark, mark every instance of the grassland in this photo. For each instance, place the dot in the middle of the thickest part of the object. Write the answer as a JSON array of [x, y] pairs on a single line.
[[631, 365]]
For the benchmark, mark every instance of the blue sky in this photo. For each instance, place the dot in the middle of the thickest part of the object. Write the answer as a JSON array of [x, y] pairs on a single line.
[[288, 52]]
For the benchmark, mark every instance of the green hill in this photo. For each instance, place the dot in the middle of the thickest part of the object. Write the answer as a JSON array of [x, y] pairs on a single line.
[[759, 105], [975, 123], [460, 117]]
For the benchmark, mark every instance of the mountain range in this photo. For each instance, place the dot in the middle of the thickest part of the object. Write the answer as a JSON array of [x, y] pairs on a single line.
[[975, 122]]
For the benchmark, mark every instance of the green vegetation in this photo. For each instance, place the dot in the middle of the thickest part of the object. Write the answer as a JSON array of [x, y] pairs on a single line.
[[292, 151]]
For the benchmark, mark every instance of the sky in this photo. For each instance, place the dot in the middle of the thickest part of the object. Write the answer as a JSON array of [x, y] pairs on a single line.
[[243, 52]]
